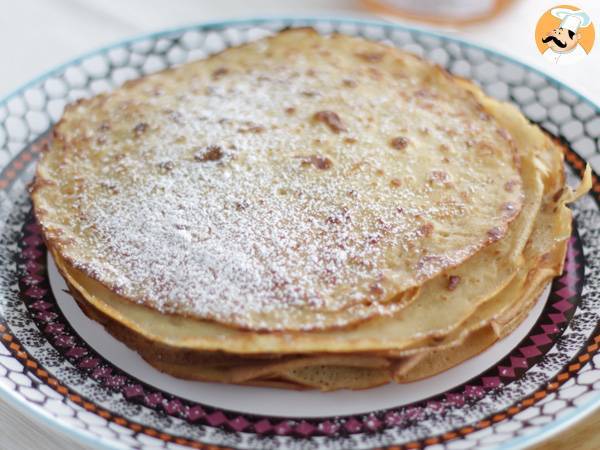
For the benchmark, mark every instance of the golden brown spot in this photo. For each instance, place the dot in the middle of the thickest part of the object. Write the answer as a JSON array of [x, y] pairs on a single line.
[[558, 194], [220, 72], [425, 230], [140, 129], [166, 166], [333, 220], [110, 187], [212, 153], [399, 143], [371, 57], [256, 129], [130, 84], [373, 239], [343, 215], [331, 119], [241, 205], [395, 183], [318, 161], [376, 290], [450, 132], [118, 157], [104, 126], [309, 94], [453, 281], [290, 110], [546, 257], [347, 82], [174, 116], [45, 146], [350, 140]]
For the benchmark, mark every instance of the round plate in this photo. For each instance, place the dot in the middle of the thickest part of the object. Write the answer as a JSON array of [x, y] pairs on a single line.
[[66, 370]]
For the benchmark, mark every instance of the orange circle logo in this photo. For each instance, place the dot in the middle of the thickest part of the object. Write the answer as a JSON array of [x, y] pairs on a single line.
[[565, 35]]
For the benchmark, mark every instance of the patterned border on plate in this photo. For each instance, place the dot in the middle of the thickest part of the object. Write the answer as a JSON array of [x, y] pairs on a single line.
[[460, 58], [45, 312]]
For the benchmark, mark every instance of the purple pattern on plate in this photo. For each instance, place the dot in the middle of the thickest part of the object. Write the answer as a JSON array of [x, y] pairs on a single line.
[[42, 305]]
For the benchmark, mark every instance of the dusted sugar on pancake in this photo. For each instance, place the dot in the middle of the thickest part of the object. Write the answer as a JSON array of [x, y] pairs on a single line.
[[297, 183]]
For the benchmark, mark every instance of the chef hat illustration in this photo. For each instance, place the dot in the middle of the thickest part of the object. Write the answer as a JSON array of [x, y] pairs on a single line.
[[571, 20]]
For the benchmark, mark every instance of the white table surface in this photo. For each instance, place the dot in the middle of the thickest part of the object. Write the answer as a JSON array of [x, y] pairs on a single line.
[[36, 35]]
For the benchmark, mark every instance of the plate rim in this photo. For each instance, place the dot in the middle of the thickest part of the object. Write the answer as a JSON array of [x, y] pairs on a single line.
[[295, 22], [541, 434], [51, 422]]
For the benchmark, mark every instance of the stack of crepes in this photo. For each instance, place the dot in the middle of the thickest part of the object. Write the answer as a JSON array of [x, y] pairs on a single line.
[[304, 212]]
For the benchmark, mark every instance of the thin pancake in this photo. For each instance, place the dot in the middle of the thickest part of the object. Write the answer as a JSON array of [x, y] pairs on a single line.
[[447, 317], [448, 354], [482, 276], [489, 328], [299, 183], [492, 320]]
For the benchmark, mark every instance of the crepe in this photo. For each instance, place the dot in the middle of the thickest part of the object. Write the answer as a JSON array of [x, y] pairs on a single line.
[[482, 276], [298, 183], [476, 193], [494, 319]]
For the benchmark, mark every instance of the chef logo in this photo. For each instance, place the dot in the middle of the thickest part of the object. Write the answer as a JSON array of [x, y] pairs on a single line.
[[564, 35]]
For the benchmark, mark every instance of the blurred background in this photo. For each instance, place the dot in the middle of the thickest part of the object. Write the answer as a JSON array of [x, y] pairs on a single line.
[[36, 35]]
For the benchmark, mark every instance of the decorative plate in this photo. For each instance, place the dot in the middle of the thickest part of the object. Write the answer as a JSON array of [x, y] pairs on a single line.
[[67, 371]]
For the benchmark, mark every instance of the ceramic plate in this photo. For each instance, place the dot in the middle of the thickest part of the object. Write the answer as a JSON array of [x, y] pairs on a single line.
[[66, 370]]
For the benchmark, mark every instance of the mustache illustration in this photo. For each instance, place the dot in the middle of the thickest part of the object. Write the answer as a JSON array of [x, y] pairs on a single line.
[[556, 41]]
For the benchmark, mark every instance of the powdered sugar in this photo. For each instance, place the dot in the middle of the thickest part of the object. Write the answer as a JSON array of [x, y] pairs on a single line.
[[198, 199]]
